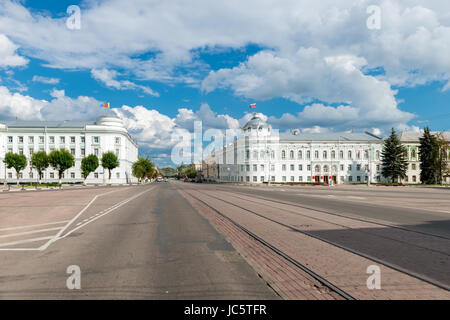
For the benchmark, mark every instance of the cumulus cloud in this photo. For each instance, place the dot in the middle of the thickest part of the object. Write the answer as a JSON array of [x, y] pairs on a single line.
[[108, 78], [45, 80], [8, 55]]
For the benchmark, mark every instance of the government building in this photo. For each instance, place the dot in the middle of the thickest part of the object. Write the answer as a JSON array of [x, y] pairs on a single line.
[[261, 154], [81, 138]]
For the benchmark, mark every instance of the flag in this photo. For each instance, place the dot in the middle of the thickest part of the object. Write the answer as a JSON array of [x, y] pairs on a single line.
[[253, 106], [106, 105]]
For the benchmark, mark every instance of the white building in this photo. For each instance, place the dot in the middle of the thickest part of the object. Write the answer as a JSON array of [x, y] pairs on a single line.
[[81, 138], [261, 154]]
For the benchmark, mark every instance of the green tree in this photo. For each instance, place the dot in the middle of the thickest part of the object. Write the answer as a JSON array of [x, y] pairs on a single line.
[[394, 162], [110, 162], [16, 161], [442, 164], [61, 160], [88, 164], [39, 161], [428, 152], [142, 168]]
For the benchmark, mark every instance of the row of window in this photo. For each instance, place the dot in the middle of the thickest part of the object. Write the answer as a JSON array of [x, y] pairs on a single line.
[[300, 167], [72, 151], [53, 175], [350, 154], [62, 139], [299, 179]]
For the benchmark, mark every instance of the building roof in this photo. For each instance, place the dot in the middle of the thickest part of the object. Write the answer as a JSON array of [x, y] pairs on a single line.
[[329, 136], [255, 123], [48, 124], [414, 136]]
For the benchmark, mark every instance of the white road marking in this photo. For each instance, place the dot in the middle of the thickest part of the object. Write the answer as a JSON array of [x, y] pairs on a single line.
[[34, 225], [107, 211], [24, 241], [28, 232]]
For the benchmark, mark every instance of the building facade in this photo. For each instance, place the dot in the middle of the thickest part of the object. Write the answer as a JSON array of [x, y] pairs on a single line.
[[107, 133], [261, 154], [412, 143]]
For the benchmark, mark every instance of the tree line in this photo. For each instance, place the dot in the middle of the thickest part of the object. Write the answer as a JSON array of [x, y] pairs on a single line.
[[433, 156], [60, 160]]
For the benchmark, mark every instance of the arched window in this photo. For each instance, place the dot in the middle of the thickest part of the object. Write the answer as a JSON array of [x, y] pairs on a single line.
[[316, 154], [350, 155], [325, 154], [283, 154], [308, 154], [358, 154], [291, 154], [333, 154], [413, 154], [325, 168], [300, 155], [341, 154], [317, 169]]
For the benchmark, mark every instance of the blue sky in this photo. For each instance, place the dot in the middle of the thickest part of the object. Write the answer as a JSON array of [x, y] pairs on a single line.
[[162, 65]]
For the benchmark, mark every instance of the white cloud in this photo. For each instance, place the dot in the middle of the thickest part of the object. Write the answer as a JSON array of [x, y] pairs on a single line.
[[108, 78], [8, 56], [45, 80]]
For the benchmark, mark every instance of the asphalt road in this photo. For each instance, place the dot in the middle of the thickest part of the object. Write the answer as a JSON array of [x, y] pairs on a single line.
[[153, 246]]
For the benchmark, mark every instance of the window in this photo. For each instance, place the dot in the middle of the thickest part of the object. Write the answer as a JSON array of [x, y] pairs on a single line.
[[9, 175], [300, 154], [324, 154], [96, 139], [308, 155], [413, 154], [83, 152], [358, 154], [247, 167], [308, 167], [83, 139], [300, 179], [349, 167], [272, 178], [300, 167], [20, 139], [41, 139], [317, 169], [96, 151], [72, 175], [255, 167], [31, 139], [272, 167], [358, 167], [20, 150], [292, 167], [291, 154], [31, 152], [283, 154], [10, 139], [255, 179], [117, 140], [283, 178], [52, 175], [247, 179], [366, 154], [309, 178], [72, 151], [378, 168], [72, 139], [262, 167], [333, 154], [96, 175], [377, 154], [349, 155], [413, 166], [118, 175], [325, 169], [414, 179], [350, 179], [52, 140], [341, 154], [62, 139], [316, 154], [358, 178], [341, 167], [283, 167], [292, 179], [247, 154]]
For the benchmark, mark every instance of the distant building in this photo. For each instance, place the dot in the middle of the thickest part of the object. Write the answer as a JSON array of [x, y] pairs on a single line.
[[81, 138], [411, 141], [261, 155]]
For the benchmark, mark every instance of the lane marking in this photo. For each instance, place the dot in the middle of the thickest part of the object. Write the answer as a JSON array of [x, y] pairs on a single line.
[[112, 208], [28, 232], [34, 225], [107, 211], [24, 241]]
